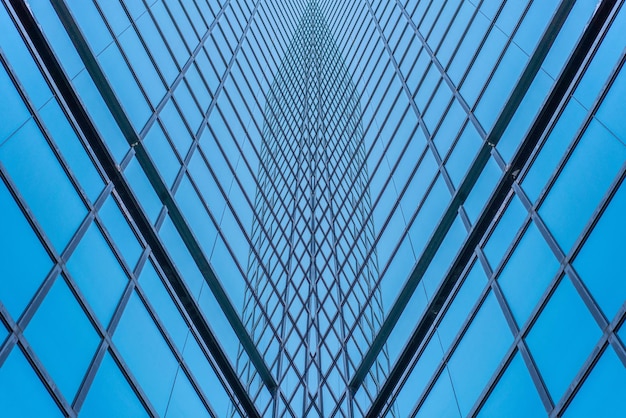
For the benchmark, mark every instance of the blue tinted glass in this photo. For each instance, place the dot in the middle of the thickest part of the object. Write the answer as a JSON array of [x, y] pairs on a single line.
[[602, 393], [91, 24], [503, 234], [28, 73], [98, 110], [184, 401], [162, 153], [479, 353], [143, 189], [29, 264], [441, 401], [21, 392], [527, 273], [421, 373], [569, 327], [135, 332], [463, 154], [47, 190], [103, 402], [125, 86], [207, 378], [552, 150], [162, 302], [515, 395], [580, 186], [72, 150], [600, 261], [101, 279], [63, 338], [117, 226], [604, 60], [460, 308], [57, 36], [13, 111], [609, 112]]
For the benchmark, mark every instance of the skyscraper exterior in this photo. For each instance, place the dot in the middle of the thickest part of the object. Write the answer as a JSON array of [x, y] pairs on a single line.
[[265, 208]]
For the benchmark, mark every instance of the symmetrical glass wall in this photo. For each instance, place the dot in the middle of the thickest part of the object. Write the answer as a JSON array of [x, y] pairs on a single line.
[[312, 208]]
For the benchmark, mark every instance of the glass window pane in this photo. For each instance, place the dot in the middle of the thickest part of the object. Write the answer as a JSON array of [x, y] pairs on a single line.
[[515, 395], [135, 332], [21, 392], [101, 279], [571, 332], [29, 264], [600, 263], [478, 354], [580, 186], [602, 393], [110, 394], [47, 190], [527, 273], [63, 338]]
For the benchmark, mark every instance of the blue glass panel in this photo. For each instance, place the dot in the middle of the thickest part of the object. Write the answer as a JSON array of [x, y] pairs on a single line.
[[91, 24], [600, 261], [483, 188], [602, 393], [604, 60], [135, 332], [115, 15], [532, 27], [13, 111], [515, 395], [463, 154], [27, 71], [147, 197], [108, 128], [568, 35], [123, 237], [63, 338], [441, 401], [503, 234], [181, 257], [184, 401], [162, 153], [47, 190], [459, 310], [421, 373], [163, 304], [126, 88], [527, 273], [72, 149], [553, 149], [23, 394], [29, 261], [101, 279], [479, 352], [524, 115], [582, 183], [609, 113], [142, 66], [572, 332], [57, 36], [207, 378], [103, 402]]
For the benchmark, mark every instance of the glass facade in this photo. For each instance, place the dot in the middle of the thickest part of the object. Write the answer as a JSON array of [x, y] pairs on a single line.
[[253, 208]]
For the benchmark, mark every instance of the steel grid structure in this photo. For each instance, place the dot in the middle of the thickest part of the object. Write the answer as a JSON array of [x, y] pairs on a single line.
[[312, 208]]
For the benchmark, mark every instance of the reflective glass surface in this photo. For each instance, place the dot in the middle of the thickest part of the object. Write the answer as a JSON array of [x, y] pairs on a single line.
[[312, 208]]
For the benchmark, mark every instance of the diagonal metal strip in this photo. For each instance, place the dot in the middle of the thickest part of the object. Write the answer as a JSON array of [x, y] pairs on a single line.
[[557, 94], [72, 100]]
